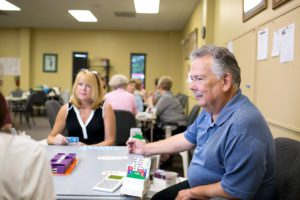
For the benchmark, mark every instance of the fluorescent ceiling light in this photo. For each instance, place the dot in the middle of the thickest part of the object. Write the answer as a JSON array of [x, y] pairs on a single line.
[[5, 5], [146, 6], [83, 15]]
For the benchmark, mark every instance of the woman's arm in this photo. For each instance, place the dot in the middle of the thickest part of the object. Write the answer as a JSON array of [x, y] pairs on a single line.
[[109, 126], [55, 136]]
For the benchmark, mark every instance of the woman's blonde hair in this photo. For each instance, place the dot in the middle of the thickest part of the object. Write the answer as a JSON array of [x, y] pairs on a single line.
[[138, 84], [91, 78]]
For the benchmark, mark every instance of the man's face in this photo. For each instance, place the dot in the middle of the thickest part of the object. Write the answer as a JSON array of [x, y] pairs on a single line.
[[207, 88]]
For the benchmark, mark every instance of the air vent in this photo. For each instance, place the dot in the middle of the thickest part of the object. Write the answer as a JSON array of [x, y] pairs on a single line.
[[124, 14]]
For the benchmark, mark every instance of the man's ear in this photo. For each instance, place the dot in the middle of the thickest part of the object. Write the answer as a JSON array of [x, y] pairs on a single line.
[[227, 81]]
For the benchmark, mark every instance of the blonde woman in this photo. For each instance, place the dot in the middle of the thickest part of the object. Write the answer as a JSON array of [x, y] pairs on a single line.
[[84, 116]]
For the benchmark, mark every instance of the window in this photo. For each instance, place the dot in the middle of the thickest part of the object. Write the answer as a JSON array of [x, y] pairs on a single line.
[[138, 66]]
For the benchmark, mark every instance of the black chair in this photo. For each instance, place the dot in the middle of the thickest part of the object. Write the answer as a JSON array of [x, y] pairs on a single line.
[[25, 109], [38, 100], [287, 169], [52, 107], [193, 114], [125, 120], [190, 119]]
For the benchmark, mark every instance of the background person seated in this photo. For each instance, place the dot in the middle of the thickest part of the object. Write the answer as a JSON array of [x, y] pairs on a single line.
[[6, 123], [138, 98], [139, 89], [25, 167], [168, 110], [120, 98], [153, 96]]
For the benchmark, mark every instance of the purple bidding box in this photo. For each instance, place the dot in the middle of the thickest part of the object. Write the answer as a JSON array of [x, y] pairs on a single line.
[[61, 162]]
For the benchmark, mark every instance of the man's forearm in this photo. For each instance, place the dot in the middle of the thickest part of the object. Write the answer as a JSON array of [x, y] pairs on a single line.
[[171, 145], [209, 191]]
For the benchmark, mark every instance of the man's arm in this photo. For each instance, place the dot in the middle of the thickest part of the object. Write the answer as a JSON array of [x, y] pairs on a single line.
[[174, 144], [204, 192]]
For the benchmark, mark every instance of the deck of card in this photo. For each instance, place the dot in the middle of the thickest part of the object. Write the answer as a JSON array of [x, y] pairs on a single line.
[[73, 139]]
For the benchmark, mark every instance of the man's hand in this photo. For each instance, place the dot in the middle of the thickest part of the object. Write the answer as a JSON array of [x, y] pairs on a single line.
[[135, 146], [184, 195]]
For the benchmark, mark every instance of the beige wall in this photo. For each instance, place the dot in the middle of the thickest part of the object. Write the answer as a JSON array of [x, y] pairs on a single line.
[[226, 24], [228, 18], [163, 51], [203, 16], [10, 47], [195, 22]]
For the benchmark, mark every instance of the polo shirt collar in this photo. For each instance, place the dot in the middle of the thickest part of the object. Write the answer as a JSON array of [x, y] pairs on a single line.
[[167, 93], [233, 104]]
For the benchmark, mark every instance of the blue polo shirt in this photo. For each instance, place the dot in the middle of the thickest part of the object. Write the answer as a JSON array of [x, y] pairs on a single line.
[[237, 149]]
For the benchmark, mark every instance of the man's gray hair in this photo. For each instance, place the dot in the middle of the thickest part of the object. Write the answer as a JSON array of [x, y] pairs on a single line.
[[224, 61]]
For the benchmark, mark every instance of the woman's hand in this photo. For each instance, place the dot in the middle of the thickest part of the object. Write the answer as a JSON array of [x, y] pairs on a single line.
[[60, 140]]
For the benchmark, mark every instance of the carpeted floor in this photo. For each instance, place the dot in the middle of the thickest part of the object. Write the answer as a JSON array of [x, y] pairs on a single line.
[[37, 131]]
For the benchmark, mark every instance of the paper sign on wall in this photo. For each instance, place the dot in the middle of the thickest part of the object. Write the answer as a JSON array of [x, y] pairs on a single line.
[[287, 44], [10, 66], [262, 44]]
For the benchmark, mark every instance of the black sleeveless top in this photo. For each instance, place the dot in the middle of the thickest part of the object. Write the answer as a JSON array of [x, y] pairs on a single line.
[[90, 133]]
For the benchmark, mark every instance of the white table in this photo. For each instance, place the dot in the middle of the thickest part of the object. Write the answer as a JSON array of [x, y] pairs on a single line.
[[147, 117], [89, 171]]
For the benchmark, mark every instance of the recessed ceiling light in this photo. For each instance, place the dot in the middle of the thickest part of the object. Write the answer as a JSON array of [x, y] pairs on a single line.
[[5, 5], [146, 6], [83, 15]]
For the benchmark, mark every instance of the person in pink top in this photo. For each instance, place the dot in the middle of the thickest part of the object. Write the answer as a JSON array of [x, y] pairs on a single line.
[[120, 98]]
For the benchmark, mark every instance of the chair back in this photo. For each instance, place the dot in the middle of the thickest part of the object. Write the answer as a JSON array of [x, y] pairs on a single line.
[[287, 169], [52, 108], [38, 98], [125, 120], [183, 99], [64, 97], [193, 114]]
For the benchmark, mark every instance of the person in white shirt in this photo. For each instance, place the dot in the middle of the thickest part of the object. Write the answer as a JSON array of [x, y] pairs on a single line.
[[24, 168]]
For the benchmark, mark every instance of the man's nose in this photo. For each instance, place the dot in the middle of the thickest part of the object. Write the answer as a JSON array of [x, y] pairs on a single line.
[[192, 86]]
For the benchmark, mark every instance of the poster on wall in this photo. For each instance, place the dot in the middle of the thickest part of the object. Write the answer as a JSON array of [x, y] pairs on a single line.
[[10, 66]]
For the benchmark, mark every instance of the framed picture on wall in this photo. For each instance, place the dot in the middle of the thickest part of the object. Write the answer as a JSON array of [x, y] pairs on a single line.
[[186, 48], [50, 62], [251, 8], [193, 40], [277, 3]]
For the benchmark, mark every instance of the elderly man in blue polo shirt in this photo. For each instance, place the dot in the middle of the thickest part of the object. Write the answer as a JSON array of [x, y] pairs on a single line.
[[234, 150]]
